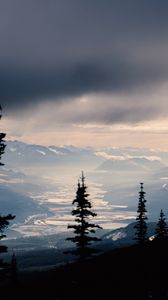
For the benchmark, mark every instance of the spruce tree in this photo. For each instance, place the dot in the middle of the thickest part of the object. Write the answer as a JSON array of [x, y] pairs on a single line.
[[2, 142], [161, 227], [83, 228], [4, 220], [141, 226]]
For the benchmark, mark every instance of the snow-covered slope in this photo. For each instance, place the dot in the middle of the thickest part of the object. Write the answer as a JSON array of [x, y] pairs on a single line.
[[47, 250], [126, 235], [39, 180]]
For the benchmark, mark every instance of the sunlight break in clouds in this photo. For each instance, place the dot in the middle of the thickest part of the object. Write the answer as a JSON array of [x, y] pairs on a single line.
[[67, 81], [95, 120]]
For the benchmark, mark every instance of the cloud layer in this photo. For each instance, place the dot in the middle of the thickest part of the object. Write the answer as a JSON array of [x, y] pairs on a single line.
[[80, 62]]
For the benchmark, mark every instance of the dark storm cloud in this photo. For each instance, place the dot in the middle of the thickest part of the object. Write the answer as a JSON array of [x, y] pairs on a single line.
[[59, 49], [22, 87]]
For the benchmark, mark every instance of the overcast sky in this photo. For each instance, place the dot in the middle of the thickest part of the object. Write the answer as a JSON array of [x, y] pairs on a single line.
[[87, 73]]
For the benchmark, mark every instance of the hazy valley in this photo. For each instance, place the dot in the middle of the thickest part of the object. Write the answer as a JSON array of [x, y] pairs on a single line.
[[38, 184]]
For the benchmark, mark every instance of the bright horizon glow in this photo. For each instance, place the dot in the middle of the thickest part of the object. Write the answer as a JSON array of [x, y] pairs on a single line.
[[152, 134], [94, 121]]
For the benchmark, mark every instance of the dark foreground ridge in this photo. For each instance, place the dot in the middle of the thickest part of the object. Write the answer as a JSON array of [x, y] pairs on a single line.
[[136, 273]]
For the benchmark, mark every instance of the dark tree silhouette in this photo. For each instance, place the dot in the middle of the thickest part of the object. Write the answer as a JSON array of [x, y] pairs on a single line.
[[4, 220], [141, 226], [14, 268], [83, 228], [2, 144], [161, 227]]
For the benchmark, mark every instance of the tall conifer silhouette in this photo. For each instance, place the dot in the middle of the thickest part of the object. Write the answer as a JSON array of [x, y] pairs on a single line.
[[2, 142], [161, 227], [4, 220], [141, 226], [83, 227]]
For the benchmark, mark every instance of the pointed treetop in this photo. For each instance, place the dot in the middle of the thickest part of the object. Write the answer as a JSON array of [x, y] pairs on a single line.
[[141, 189], [83, 179], [161, 227], [141, 183], [83, 229], [0, 111], [162, 215], [141, 226]]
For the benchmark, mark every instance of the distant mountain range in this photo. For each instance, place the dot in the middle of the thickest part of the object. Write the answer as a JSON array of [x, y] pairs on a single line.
[[23, 156], [131, 165], [42, 251], [31, 172], [126, 235], [18, 204], [19, 155]]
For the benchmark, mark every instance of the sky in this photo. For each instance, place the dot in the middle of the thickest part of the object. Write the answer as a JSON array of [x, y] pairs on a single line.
[[85, 73]]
